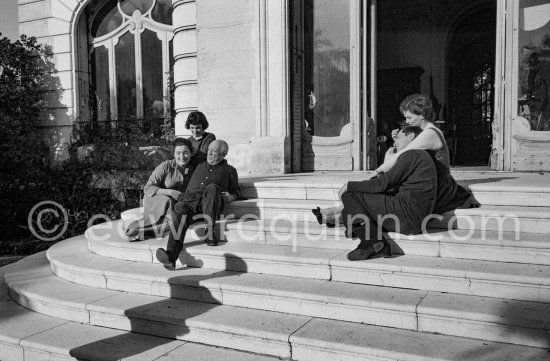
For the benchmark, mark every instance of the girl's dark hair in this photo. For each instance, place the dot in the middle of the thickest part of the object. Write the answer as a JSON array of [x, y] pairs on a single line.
[[418, 104], [182, 141], [196, 118]]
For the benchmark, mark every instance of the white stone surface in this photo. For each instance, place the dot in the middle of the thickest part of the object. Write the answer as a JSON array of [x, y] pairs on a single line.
[[17, 323], [197, 352], [283, 261], [186, 97], [33, 285], [185, 42], [86, 342], [494, 279], [185, 70], [226, 326], [34, 11], [356, 303], [185, 15], [487, 318], [328, 340]]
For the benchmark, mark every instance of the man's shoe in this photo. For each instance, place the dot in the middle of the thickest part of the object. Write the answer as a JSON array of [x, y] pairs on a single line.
[[164, 258], [370, 251]]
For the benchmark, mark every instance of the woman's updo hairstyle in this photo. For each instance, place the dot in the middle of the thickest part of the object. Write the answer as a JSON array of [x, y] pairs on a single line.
[[418, 104]]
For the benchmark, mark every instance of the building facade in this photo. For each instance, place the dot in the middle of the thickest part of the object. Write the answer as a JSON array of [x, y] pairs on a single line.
[[297, 86]]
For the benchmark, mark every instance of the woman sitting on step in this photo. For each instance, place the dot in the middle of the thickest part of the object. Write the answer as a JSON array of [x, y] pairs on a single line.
[[166, 183], [418, 111]]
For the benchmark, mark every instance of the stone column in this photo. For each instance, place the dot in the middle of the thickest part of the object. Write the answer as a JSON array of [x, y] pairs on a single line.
[[186, 98]]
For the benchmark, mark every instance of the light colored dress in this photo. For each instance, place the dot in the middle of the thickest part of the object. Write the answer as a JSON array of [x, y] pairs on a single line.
[[159, 208]]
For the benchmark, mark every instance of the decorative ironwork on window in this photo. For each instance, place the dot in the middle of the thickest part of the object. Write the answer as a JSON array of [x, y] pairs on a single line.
[[483, 100], [131, 43]]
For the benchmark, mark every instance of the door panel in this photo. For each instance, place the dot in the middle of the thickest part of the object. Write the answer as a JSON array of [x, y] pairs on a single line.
[[331, 78]]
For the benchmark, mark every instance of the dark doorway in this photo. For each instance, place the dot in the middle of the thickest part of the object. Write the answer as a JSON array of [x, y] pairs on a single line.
[[470, 92]]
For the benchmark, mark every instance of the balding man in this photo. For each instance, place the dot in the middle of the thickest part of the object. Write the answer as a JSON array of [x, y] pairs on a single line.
[[213, 184]]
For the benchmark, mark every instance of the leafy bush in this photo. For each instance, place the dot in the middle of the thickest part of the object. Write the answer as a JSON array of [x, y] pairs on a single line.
[[28, 86], [105, 182]]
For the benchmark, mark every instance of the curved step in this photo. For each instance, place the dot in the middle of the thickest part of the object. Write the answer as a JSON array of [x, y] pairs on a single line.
[[218, 325], [29, 335], [382, 306], [470, 277], [251, 329], [486, 217], [489, 188], [531, 248]]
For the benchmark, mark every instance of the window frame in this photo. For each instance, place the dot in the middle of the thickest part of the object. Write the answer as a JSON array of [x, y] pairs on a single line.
[[136, 25]]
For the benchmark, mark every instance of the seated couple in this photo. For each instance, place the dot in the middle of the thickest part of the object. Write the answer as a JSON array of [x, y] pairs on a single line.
[[177, 193], [414, 182]]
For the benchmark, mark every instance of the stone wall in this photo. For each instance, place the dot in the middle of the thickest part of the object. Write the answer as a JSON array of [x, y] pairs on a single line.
[[226, 68], [50, 22]]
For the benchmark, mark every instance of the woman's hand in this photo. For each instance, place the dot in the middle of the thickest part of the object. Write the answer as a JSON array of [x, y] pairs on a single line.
[[173, 193], [228, 197], [150, 150], [343, 189], [394, 133], [157, 150]]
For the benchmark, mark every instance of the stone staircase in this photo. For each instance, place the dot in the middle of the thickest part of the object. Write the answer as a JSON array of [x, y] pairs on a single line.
[[282, 288]]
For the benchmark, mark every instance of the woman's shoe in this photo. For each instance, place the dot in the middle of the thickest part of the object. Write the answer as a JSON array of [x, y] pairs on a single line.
[[370, 251], [317, 213]]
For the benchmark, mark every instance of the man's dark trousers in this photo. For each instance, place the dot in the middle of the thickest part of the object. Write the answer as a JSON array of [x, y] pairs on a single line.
[[209, 205]]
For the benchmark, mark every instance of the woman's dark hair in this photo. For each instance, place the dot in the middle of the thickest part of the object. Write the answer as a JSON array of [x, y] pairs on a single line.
[[196, 118], [182, 141], [418, 104]]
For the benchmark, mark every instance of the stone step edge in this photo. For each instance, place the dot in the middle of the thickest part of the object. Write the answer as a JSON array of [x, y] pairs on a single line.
[[518, 247], [223, 292], [105, 319], [335, 266], [255, 252], [489, 187], [504, 238], [197, 329], [93, 342], [121, 280], [303, 345], [306, 206]]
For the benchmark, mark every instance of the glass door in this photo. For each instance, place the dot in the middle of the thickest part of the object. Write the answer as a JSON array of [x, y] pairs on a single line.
[[331, 85]]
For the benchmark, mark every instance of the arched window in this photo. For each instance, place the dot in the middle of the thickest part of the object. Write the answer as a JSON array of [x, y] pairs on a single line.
[[129, 58]]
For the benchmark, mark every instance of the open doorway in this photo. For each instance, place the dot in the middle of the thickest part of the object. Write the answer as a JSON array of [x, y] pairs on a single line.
[[470, 87], [445, 49]]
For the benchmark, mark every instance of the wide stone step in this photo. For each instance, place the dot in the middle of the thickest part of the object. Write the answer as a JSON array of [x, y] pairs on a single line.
[[271, 332], [516, 247], [489, 188], [471, 277], [34, 286], [383, 306], [487, 218], [29, 335]]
